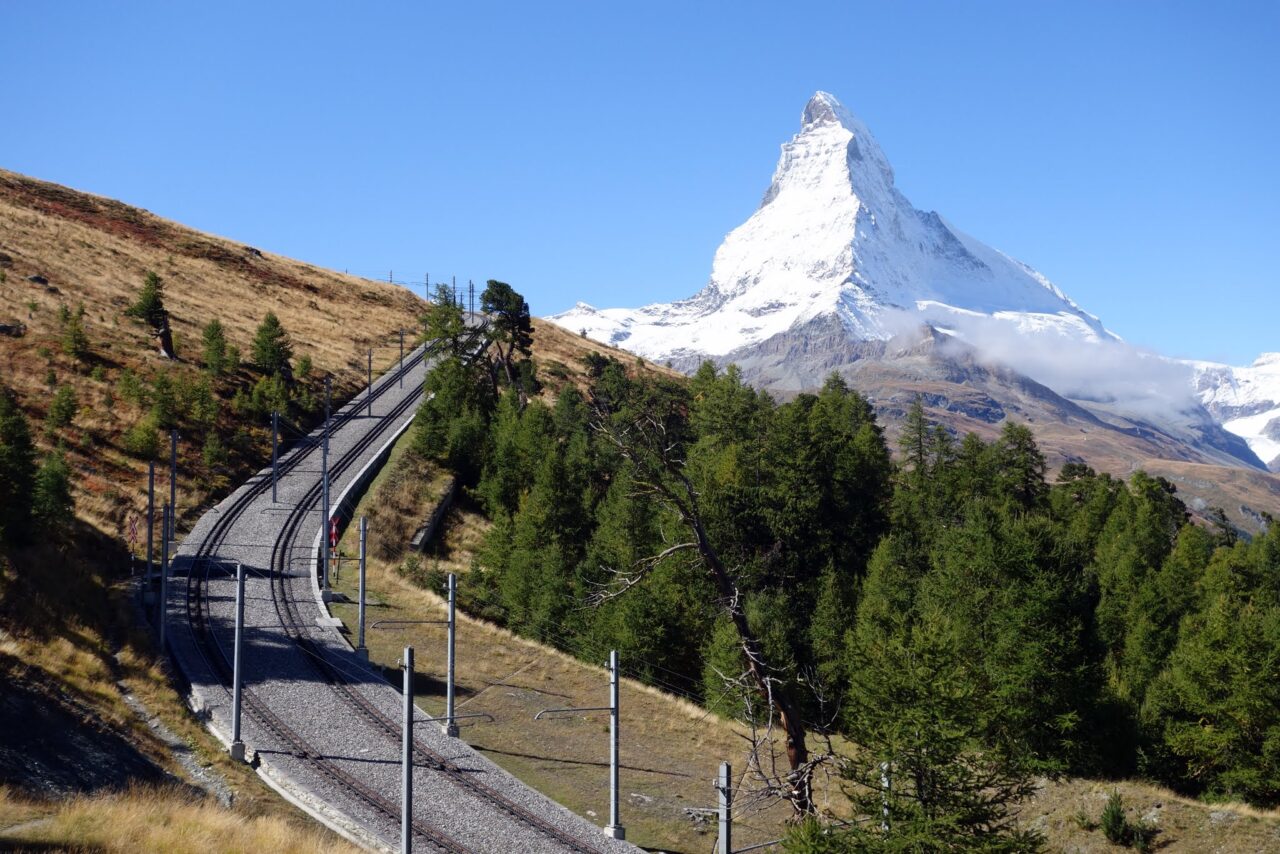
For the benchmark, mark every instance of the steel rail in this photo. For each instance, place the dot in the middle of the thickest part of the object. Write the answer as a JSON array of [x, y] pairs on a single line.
[[297, 628], [215, 654]]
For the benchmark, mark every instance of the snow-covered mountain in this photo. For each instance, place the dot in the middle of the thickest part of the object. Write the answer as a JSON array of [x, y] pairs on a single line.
[[837, 271], [833, 237], [1246, 401]]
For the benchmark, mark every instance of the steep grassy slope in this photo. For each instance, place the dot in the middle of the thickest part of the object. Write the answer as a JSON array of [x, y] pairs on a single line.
[[96, 252], [89, 706]]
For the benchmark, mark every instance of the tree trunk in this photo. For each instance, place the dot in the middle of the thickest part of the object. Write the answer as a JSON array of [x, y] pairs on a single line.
[[164, 339], [801, 796]]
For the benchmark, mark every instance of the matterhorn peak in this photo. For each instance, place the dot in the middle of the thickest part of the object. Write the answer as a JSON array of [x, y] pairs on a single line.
[[822, 108], [834, 239]]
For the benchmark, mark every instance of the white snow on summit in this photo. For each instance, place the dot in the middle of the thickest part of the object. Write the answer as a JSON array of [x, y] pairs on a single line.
[[834, 236], [1246, 401]]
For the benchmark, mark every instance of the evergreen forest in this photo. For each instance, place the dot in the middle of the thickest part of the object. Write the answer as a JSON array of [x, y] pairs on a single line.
[[963, 622]]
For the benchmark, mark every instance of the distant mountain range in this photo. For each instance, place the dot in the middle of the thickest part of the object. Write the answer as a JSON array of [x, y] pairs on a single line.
[[836, 270], [1246, 401]]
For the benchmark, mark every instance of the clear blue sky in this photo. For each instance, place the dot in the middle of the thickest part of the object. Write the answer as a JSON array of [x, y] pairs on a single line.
[[601, 151]]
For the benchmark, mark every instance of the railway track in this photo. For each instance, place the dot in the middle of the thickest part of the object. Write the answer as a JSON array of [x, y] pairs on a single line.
[[297, 629], [217, 658]]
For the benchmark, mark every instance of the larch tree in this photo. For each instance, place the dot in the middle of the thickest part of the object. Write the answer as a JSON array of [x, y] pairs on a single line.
[[149, 307]]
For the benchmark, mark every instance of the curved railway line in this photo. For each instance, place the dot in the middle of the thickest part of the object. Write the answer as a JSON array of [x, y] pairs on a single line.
[[204, 564]]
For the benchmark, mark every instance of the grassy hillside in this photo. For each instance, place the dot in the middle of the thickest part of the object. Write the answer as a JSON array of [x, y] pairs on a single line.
[[96, 252], [88, 705]]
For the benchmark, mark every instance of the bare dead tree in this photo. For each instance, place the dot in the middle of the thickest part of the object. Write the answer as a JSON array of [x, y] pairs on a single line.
[[649, 437]]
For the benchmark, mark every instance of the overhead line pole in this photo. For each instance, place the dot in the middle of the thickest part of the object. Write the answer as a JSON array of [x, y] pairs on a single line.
[[401, 372], [450, 726], [406, 778], [173, 483], [324, 465], [369, 392], [614, 828], [237, 680], [275, 453], [162, 606], [361, 649], [724, 788], [151, 526]]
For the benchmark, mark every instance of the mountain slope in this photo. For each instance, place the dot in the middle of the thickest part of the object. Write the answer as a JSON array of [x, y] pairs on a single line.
[[834, 237], [69, 637], [1246, 401], [95, 252], [837, 271]]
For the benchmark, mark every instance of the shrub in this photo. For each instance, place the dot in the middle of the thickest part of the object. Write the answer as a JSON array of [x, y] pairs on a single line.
[[241, 404], [215, 348], [270, 395], [214, 453], [1114, 825], [62, 409], [143, 439], [132, 389]]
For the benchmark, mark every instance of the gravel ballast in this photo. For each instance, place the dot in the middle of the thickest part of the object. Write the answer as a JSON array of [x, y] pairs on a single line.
[[282, 673]]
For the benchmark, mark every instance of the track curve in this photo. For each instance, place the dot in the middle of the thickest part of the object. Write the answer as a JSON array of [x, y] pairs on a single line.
[[323, 724]]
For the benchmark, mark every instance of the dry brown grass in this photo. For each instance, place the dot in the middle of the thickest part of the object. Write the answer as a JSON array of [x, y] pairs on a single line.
[[97, 251], [150, 820], [1068, 812]]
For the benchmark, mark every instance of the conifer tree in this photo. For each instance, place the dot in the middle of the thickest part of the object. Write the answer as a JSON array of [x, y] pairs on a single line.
[[17, 470], [272, 349], [62, 409], [51, 500], [443, 323], [149, 307], [73, 338], [214, 340], [1018, 466], [926, 767], [1216, 706], [510, 327]]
